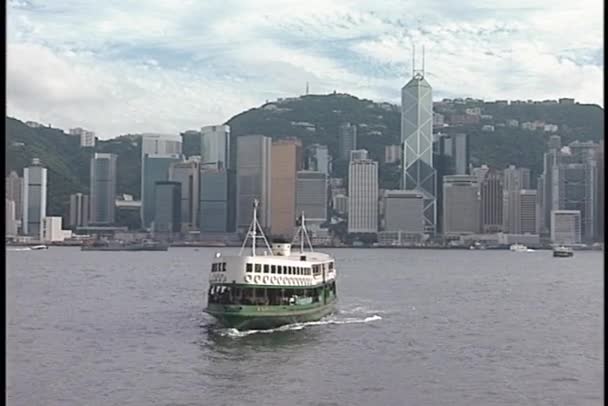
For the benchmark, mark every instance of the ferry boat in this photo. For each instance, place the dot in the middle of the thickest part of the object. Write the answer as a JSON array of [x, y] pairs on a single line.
[[518, 248], [563, 252], [39, 247], [274, 288]]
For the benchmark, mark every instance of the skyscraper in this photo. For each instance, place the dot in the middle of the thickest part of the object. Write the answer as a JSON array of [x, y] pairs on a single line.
[[450, 157], [79, 210], [34, 198], [217, 201], [516, 178], [362, 196], [599, 208], [187, 174], [319, 159], [103, 188], [158, 152], [311, 196], [10, 221], [491, 189], [14, 192], [417, 143], [347, 140], [527, 212], [254, 157], [286, 161], [215, 147], [167, 207], [461, 204]]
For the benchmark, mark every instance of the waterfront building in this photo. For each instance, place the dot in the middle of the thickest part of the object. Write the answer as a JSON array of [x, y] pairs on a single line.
[[363, 196], [187, 174], [159, 151], [215, 147], [566, 226], [286, 161], [403, 211], [461, 208], [167, 207], [51, 229], [34, 198], [417, 143], [311, 196], [103, 188], [347, 140], [79, 210], [254, 157]]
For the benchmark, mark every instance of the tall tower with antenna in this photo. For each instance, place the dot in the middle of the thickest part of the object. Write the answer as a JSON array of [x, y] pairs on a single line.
[[307, 88], [418, 173]]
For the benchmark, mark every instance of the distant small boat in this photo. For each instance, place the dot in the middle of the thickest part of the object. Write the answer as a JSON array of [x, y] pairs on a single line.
[[563, 252], [39, 247], [518, 248]]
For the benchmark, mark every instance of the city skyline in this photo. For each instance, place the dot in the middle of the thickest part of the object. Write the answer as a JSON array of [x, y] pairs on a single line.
[[247, 55]]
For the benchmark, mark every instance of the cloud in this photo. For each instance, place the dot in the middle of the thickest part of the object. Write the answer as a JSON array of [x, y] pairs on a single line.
[[177, 65]]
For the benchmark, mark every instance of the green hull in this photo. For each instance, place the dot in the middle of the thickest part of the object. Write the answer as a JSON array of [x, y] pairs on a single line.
[[267, 317]]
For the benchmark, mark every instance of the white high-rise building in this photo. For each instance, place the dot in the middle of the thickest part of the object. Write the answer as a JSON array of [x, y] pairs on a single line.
[[87, 138], [417, 143], [363, 196], [34, 198]]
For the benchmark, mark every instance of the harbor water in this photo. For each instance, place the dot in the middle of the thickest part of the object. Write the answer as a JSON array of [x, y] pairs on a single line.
[[413, 327]]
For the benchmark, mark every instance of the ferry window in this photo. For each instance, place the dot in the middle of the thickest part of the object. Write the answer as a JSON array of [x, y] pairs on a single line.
[[288, 270], [266, 269], [279, 269], [223, 267], [298, 271], [273, 269], [258, 268], [331, 265], [249, 268]]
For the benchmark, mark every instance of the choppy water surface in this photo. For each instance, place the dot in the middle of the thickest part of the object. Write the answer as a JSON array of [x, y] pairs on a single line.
[[414, 327]]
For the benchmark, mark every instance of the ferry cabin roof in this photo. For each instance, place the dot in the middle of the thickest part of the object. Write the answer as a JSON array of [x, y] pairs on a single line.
[[273, 270]]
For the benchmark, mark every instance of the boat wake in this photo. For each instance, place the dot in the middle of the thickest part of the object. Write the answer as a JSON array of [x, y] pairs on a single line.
[[18, 249], [233, 332]]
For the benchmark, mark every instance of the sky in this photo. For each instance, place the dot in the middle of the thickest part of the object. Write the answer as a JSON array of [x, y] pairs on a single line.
[[117, 67]]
